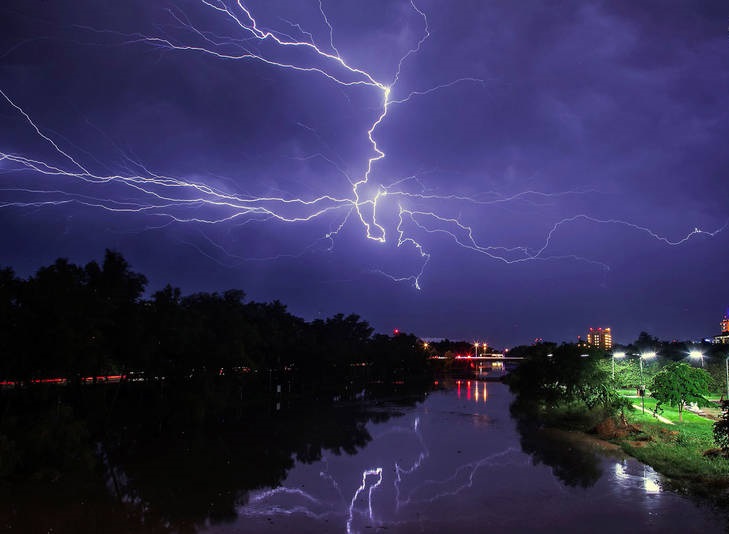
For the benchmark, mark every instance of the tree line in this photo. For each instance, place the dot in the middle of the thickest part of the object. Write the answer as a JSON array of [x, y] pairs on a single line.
[[576, 386], [627, 368], [75, 321]]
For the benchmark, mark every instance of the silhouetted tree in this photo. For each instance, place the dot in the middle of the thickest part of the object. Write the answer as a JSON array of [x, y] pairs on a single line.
[[10, 287], [61, 334], [115, 292]]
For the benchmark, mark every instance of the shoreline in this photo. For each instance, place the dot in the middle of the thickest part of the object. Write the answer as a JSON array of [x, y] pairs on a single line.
[[710, 489]]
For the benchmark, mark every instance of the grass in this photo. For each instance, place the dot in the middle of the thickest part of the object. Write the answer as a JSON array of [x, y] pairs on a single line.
[[631, 392], [677, 450], [671, 413]]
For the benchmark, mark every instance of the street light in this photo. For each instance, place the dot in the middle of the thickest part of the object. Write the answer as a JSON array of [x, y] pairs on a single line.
[[645, 355], [616, 355], [695, 354], [475, 353]]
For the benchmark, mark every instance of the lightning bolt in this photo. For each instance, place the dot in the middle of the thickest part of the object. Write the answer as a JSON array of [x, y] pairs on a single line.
[[368, 472], [401, 472], [141, 191], [452, 485]]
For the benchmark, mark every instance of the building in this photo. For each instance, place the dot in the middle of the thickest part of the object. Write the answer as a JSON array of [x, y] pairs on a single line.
[[602, 338], [723, 338]]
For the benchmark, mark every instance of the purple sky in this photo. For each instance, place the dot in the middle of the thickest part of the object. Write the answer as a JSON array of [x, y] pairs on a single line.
[[568, 168]]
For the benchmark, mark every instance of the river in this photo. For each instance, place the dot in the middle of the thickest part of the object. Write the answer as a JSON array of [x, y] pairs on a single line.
[[456, 462], [452, 459]]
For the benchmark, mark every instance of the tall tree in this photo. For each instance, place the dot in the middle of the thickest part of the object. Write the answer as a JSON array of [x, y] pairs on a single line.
[[60, 328], [9, 301], [116, 291]]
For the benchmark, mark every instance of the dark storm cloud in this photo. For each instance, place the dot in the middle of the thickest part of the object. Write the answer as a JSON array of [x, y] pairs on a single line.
[[626, 104]]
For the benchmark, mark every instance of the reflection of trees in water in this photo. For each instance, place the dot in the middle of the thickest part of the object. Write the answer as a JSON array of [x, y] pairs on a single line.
[[194, 476], [572, 465], [173, 460]]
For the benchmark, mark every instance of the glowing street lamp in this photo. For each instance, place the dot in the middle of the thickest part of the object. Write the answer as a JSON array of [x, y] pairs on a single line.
[[616, 355], [646, 356], [475, 352], [695, 354]]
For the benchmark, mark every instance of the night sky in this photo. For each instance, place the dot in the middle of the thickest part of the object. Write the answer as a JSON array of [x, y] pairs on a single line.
[[536, 168]]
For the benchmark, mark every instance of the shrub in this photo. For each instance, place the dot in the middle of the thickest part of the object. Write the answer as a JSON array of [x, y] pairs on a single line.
[[721, 428]]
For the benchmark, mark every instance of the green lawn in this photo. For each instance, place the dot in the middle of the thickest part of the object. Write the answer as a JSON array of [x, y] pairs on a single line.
[[671, 413], [631, 392], [676, 450]]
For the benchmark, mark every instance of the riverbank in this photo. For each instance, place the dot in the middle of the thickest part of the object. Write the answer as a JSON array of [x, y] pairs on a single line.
[[682, 451]]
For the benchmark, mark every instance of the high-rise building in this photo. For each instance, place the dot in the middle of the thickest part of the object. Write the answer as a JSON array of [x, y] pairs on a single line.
[[602, 338], [724, 336]]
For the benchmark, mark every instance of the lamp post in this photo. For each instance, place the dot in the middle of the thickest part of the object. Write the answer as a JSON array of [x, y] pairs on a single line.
[[475, 347], [616, 355], [695, 354], [645, 355]]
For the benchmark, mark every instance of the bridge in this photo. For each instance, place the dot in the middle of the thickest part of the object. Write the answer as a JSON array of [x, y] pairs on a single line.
[[485, 367], [488, 357]]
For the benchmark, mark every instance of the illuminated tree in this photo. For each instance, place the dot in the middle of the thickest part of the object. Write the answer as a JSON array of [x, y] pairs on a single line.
[[679, 383]]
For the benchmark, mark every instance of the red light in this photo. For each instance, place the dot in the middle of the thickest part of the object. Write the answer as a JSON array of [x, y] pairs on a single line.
[[395, 331]]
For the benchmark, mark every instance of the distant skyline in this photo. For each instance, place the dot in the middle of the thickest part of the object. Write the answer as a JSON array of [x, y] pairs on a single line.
[[474, 170]]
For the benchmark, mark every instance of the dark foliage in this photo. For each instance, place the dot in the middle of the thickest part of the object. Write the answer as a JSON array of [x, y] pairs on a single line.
[[69, 321], [721, 428], [197, 361], [576, 468]]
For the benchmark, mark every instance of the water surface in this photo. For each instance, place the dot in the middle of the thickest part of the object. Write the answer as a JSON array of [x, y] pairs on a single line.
[[456, 462]]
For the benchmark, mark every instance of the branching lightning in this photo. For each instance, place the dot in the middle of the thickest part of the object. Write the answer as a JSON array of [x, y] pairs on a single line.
[[368, 203], [383, 495]]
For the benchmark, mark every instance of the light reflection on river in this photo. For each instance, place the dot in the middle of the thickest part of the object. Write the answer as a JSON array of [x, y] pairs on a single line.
[[455, 462]]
